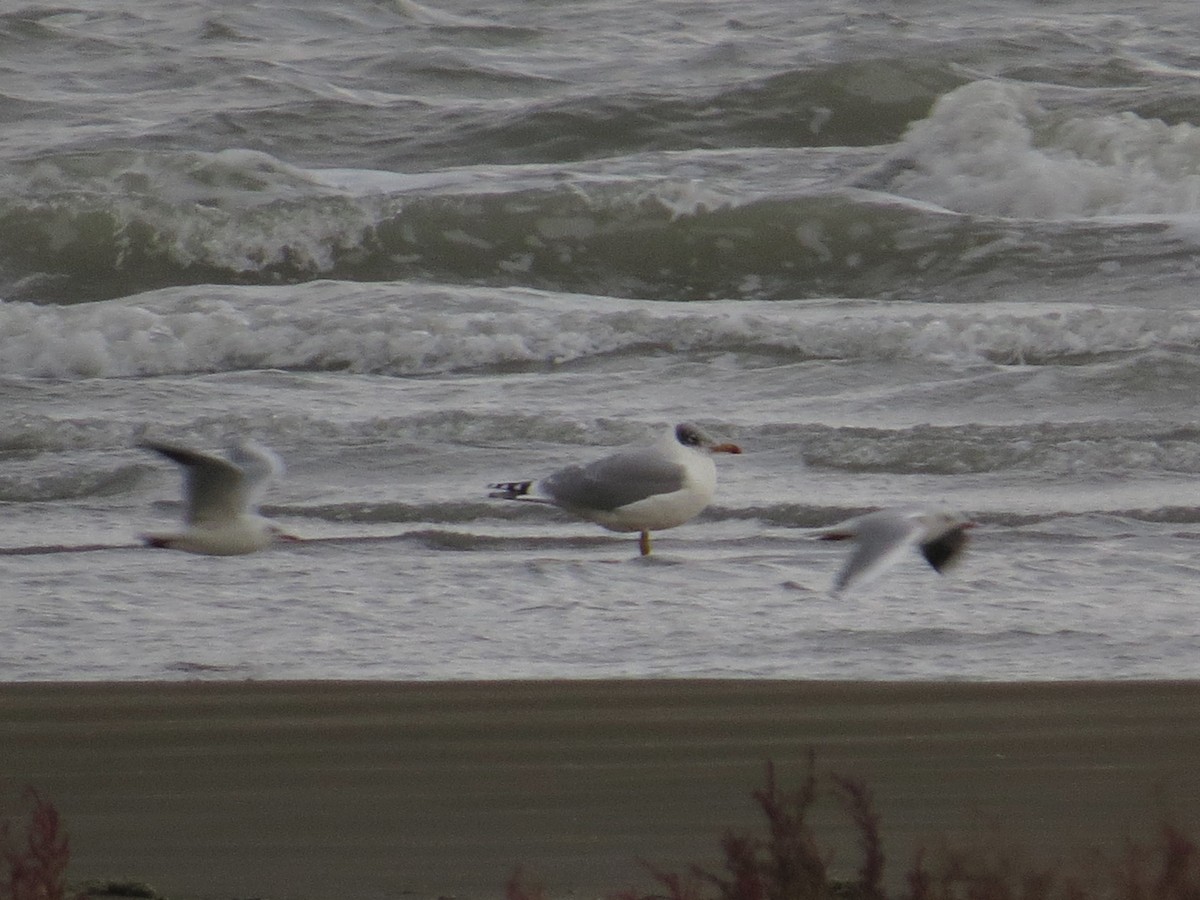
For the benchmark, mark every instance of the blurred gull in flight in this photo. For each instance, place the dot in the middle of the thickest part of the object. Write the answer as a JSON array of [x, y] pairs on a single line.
[[221, 496], [641, 489], [882, 537]]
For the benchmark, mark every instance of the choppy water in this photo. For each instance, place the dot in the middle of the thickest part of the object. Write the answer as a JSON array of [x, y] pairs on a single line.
[[902, 252]]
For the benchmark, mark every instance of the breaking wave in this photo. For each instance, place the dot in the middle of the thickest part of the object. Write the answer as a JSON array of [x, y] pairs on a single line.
[[417, 329], [938, 212], [992, 148]]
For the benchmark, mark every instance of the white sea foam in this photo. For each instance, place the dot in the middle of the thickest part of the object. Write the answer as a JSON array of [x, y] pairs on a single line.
[[417, 329], [991, 148], [240, 211], [248, 214]]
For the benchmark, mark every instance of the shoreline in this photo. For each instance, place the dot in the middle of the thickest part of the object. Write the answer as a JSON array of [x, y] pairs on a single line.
[[317, 790]]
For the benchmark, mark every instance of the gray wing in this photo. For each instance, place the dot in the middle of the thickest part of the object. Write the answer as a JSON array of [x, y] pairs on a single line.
[[879, 540], [214, 489], [260, 466], [614, 481]]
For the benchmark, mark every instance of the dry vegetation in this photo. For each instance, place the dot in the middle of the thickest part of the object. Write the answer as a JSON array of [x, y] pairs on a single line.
[[783, 861], [34, 857], [786, 861]]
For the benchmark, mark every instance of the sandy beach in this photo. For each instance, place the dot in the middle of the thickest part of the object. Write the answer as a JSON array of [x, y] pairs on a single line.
[[330, 790]]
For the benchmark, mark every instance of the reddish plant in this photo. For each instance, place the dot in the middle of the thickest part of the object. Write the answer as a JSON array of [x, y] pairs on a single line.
[[1179, 878], [787, 863], [859, 805], [36, 862], [517, 888]]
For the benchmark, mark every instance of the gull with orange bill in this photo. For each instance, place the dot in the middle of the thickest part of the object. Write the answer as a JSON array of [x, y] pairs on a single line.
[[643, 489]]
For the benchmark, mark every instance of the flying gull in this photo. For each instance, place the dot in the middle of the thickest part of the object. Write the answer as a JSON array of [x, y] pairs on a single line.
[[882, 537], [221, 495]]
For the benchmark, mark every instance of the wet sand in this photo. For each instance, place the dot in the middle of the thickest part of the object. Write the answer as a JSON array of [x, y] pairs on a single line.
[[329, 791]]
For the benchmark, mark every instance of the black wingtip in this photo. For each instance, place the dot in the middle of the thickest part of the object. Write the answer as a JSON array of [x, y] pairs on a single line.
[[943, 550], [510, 490]]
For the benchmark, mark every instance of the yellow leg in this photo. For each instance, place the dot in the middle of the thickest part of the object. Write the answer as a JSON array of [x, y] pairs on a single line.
[[644, 543]]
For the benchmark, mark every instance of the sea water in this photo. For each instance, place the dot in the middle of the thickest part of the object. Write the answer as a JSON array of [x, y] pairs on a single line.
[[901, 253]]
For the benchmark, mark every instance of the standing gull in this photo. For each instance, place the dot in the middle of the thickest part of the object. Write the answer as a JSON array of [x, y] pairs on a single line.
[[221, 495], [882, 537], [641, 489]]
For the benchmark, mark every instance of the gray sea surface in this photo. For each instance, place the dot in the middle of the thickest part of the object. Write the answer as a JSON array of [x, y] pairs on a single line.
[[901, 253]]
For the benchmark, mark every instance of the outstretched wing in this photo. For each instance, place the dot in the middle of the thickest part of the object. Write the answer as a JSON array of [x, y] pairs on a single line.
[[880, 539], [213, 487], [260, 466]]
